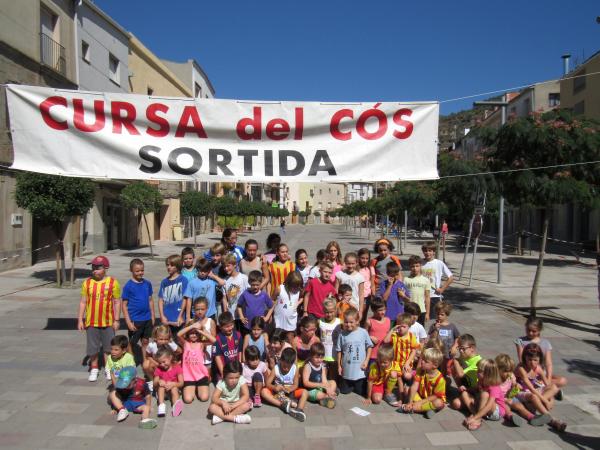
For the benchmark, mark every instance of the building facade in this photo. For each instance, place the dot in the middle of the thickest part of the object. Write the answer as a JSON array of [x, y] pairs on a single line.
[[581, 93]]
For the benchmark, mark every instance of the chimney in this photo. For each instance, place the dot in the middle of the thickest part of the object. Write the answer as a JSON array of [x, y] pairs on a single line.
[[566, 57]]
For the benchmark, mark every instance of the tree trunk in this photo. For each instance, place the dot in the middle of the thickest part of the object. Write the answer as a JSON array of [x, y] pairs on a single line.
[[520, 233], [598, 240], [538, 272], [149, 237], [194, 232]]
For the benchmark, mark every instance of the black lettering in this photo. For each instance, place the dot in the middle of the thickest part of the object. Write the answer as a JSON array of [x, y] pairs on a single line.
[[325, 166], [247, 155], [284, 169], [268, 163], [215, 163], [174, 165], [155, 164]]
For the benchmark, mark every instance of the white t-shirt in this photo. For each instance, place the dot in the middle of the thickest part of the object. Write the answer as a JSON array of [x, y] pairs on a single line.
[[233, 288], [354, 280], [434, 270], [314, 272], [305, 274], [286, 309], [152, 347], [329, 333], [419, 331]]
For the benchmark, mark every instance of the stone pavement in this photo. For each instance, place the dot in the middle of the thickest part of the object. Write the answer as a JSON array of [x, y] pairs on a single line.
[[47, 401]]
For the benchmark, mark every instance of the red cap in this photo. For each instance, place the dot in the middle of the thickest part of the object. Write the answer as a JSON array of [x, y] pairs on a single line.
[[100, 261]]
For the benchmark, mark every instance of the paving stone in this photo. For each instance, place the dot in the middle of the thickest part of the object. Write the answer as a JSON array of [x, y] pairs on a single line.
[[592, 430], [533, 445], [94, 390], [451, 438], [15, 396], [585, 402], [6, 413], [85, 431], [390, 417], [327, 431], [262, 422], [63, 407]]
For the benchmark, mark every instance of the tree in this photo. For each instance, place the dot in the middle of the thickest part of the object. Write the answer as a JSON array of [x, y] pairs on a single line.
[[552, 139], [146, 199], [195, 204], [226, 207], [53, 199]]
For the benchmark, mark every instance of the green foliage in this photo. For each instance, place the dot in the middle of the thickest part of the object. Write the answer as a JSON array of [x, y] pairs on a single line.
[[225, 206], [141, 196], [304, 213], [52, 198], [317, 214], [195, 204]]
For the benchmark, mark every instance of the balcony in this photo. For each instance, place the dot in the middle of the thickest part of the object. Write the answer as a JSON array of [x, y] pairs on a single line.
[[53, 54]]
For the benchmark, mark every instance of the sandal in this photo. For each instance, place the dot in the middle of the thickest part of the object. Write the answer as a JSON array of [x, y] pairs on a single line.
[[558, 425], [472, 426]]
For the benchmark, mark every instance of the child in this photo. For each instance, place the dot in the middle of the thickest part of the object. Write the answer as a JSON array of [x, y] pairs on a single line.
[[253, 302], [100, 301], [235, 284], [195, 373], [368, 273], [187, 260], [419, 288], [428, 391], [405, 346], [255, 373], [314, 378], [168, 379], [282, 383], [277, 344], [252, 260], [118, 358], [200, 309], [229, 342], [287, 300], [533, 330], [393, 292], [354, 279], [231, 401], [329, 329], [344, 300], [384, 248], [377, 326], [379, 374], [317, 290], [416, 328], [229, 240], [321, 257], [353, 352], [273, 241], [161, 336], [334, 254], [464, 371], [307, 337], [138, 306], [302, 265], [171, 304], [510, 388], [205, 286], [434, 269], [491, 400], [257, 337], [132, 395], [280, 267], [446, 331], [215, 255]]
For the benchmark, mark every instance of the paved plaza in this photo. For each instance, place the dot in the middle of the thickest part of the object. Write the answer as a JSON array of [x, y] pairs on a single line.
[[47, 402]]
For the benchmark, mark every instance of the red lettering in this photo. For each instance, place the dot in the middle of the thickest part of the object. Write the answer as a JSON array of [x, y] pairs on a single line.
[[190, 112], [152, 116], [254, 122], [123, 121], [45, 111], [408, 126], [381, 125], [299, 129], [334, 126], [79, 116], [278, 129]]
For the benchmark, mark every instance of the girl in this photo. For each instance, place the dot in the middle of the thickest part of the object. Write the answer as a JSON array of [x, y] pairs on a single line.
[[161, 336], [200, 308], [510, 388], [302, 265], [273, 241], [252, 260], [384, 248], [287, 299], [537, 390], [533, 330], [334, 253], [168, 379], [229, 240], [277, 344], [231, 399], [491, 398], [368, 273], [257, 337], [307, 337], [321, 256], [377, 326], [281, 266], [255, 373], [195, 373], [329, 328], [354, 279]]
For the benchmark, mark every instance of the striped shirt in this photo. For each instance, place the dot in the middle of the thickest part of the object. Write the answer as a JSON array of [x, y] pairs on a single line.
[[99, 297], [403, 345], [428, 385], [279, 272], [377, 375]]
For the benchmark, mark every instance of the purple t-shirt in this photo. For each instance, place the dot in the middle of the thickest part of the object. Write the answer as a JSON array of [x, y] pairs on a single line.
[[254, 305], [394, 305]]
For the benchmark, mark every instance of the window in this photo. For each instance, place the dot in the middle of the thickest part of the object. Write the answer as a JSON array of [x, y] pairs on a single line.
[[579, 82], [320, 191], [320, 205], [52, 54], [197, 90], [85, 51], [338, 192], [579, 108], [113, 69], [553, 99], [330, 190], [328, 205]]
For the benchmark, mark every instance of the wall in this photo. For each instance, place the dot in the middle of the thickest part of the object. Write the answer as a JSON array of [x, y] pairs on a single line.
[[589, 94]]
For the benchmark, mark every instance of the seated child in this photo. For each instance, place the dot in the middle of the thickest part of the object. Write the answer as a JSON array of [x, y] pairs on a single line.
[[510, 388], [132, 395], [277, 344], [255, 373], [161, 336], [464, 372], [416, 328], [305, 339], [379, 374], [168, 379], [229, 342], [491, 399], [118, 357], [257, 337], [314, 378], [231, 401]]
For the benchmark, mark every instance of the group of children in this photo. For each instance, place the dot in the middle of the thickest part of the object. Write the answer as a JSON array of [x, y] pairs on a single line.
[[264, 328]]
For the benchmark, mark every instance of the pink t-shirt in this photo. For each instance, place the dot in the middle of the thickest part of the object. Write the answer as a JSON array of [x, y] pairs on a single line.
[[169, 375], [337, 267], [318, 292], [378, 330], [498, 396], [367, 273], [193, 362]]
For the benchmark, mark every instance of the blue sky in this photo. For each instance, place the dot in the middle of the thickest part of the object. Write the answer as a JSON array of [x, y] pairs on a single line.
[[332, 50]]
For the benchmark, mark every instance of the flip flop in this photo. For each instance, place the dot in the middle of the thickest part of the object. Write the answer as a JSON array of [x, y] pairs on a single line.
[[473, 426], [147, 424]]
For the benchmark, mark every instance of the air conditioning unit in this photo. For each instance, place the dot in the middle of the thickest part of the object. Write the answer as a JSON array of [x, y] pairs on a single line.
[[16, 220]]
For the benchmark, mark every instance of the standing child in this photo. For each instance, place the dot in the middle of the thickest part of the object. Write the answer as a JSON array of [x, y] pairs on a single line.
[[235, 284], [203, 286], [229, 240], [231, 401], [344, 300], [161, 336], [435, 269], [168, 379], [195, 373], [464, 371], [255, 373], [314, 378], [229, 342], [273, 241], [377, 326], [368, 273], [187, 260], [384, 248], [353, 352], [416, 328], [315, 272], [307, 337], [132, 395], [317, 290], [254, 303], [334, 254], [252, 260], [419, 288], [171, 305], [329, 329], [352, 277], [379, 374], [257, 337], [302, 265], [118, 358], [101, 303], [280, 268], [215, 255], [287, 300], [393, 292]]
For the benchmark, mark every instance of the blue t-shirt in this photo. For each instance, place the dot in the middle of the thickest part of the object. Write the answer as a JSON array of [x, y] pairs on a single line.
[[171, 291], [203, 288], [137, 295], [190, 274], [229, 347], [254, 305], [353, 346], [394, 304]]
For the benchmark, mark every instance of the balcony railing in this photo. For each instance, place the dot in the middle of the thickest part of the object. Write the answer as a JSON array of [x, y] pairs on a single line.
[[53, 54]]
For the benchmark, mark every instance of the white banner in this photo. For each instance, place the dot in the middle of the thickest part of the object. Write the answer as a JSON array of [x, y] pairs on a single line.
[[127, 136]]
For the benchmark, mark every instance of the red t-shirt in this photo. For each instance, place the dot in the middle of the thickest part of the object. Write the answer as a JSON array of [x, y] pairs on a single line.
[[169, 375], [318, 293]]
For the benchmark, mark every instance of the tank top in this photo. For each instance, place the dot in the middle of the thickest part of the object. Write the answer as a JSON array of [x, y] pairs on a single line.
[[208, 347], [379, 330], [246, 266], [302, 353], [259, 343], [316, 373], [285, 379]]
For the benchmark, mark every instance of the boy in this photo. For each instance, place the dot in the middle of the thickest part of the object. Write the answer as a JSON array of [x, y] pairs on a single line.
[[353, 352], [446, 331], [393, 291], [171, 306], [419, 287], [315, 378], [205, 285], [405, 347], [379, 374], [229, 342], [282, 383], [138, 307], [465, 372], [132, 395], [187, 259], [435, 269], [416, 328], [118, 358], [253, 302], [428, 391], [101, 303], [235, 284], [344, 300], [317, 290]]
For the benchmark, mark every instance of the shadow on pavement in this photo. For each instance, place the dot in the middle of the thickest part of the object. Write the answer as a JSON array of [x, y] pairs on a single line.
[[69, 323], [50, 275], [578, 440], [583, 367], [534, 262]]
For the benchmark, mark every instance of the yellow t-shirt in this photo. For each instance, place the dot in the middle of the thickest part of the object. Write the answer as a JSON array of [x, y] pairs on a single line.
[[99, 297], [431, 385], [403, 345], [378, 376], [417, 287]]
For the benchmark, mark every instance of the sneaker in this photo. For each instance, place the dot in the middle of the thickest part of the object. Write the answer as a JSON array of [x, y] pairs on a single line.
[[147, 424], [285, 405], [559, 395], [257, 402], [327, 402], [243, 419], [390, 399], [429, 414], [540, 419], [93, 375], [177, 408], [297, 414], [122, 415], [150, 385], [516, 420], [162, 410], [216, 420], [558, 425], [107, 374]]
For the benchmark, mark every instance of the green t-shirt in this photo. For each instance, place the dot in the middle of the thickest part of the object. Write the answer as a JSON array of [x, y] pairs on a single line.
[[231, 395], [417, 287], [469, 366], [115, 366]]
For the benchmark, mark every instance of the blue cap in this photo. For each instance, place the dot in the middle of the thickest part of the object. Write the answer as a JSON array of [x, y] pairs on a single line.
[[126, 376]]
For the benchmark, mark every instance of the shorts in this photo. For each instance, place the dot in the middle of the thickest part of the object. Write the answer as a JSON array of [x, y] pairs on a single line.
[[378, 389], [201, 382], [428, 406], [495, 415], [296, 394], [133, 405], [357, 386], [144, 330], [98, 339], [313, 393]]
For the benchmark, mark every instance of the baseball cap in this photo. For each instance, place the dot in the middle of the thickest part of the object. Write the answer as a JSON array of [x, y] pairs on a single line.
[[126, 376], [100, 261]]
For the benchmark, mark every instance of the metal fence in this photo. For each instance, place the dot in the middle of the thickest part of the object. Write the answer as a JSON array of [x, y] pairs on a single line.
[[53, 54]]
